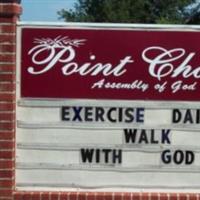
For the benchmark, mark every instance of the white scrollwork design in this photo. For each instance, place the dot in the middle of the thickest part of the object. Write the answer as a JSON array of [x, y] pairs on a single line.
[[55, 50]]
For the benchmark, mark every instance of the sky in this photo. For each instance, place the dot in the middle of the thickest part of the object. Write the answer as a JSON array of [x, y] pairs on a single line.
[[44, 10]]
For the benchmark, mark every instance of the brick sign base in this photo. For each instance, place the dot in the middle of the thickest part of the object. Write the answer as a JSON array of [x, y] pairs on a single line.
[[9, 13]]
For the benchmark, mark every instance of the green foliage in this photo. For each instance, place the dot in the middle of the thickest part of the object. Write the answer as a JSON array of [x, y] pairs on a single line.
[[129, 11]]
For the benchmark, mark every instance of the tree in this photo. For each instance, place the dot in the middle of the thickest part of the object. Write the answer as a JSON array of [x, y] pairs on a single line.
[[193, 16], [131, 11]]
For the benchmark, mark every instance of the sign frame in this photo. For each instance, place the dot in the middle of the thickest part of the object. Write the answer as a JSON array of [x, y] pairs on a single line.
[[46, 102]]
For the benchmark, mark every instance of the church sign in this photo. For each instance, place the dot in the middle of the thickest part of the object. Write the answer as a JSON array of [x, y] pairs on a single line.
[[108, 107]]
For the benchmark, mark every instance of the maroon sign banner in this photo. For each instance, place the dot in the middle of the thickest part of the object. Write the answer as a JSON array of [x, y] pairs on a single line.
[[114, 63]]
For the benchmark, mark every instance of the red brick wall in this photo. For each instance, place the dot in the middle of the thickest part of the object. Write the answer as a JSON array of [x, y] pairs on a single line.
[[9, 13]]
